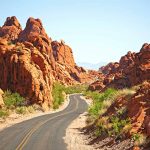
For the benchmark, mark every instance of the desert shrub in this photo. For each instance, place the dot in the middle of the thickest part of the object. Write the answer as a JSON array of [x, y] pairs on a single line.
[[37, 107], [21, 110], [126, 92], [101, 101], [113, 126], [58, 97], [118, 125], [59, 90], [75, 89], [30, 109], [102, 126], [139, 139], [3, 113], [12, 99]]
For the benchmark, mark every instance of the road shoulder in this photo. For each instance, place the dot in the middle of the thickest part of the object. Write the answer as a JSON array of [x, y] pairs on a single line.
[[17, 118], [74, 138]]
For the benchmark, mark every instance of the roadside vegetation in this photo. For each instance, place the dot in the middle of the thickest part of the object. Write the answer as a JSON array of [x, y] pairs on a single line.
[[60, 91], [107, 117], [15, 103]]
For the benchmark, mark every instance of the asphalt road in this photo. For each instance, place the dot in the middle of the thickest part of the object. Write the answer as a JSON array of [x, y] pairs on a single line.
[[44, 132]]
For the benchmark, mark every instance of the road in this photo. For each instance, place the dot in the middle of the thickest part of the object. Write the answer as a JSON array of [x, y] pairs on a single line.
[[44, 132]]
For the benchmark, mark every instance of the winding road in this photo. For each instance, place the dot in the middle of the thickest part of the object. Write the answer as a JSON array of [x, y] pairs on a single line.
[[44, 132]]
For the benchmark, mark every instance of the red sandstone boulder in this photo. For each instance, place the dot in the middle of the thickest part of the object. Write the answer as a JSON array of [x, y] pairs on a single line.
[[136, 68]]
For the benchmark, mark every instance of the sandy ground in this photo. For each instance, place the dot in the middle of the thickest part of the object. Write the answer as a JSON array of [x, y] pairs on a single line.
[[74, 138], [17, 118]]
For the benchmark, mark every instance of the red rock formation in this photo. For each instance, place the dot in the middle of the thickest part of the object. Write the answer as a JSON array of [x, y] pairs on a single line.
[[34, 34], [27, 72], [11, 29], [140, 113], [67, 71], [132, 69], [109, 68], [96, 86], [33, 62], [63, 53]]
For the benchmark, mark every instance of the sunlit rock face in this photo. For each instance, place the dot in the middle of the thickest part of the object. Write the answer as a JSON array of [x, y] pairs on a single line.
[[30, 62]]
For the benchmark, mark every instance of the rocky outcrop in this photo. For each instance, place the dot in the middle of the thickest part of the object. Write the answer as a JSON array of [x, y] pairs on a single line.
[[67, 71], [31, 62], [27, 72], [132, 69], [140, 113], [35, 35], [109, 68], [63, 53], [96, 86], [11, 29]]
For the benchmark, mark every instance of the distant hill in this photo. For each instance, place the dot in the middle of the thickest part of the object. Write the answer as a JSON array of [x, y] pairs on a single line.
[[91, 66]]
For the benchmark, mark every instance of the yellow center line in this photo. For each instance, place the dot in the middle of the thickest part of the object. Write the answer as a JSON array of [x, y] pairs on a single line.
[[28, 135]]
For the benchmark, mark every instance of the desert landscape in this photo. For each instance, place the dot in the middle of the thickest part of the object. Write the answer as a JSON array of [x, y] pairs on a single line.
[[48, 101]]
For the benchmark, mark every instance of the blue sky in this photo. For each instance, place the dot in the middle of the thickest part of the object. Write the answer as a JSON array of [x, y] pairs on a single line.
[[96, 30]]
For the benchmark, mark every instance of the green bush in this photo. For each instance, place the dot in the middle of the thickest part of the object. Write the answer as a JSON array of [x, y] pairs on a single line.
[[115, 125], [75, 89], [99, 101], [58, 97], [12, 99], [139, 139], [3, 113], [118, 125], [59, 90]]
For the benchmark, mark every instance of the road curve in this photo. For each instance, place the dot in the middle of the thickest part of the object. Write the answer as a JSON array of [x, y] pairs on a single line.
[[44, 132]]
